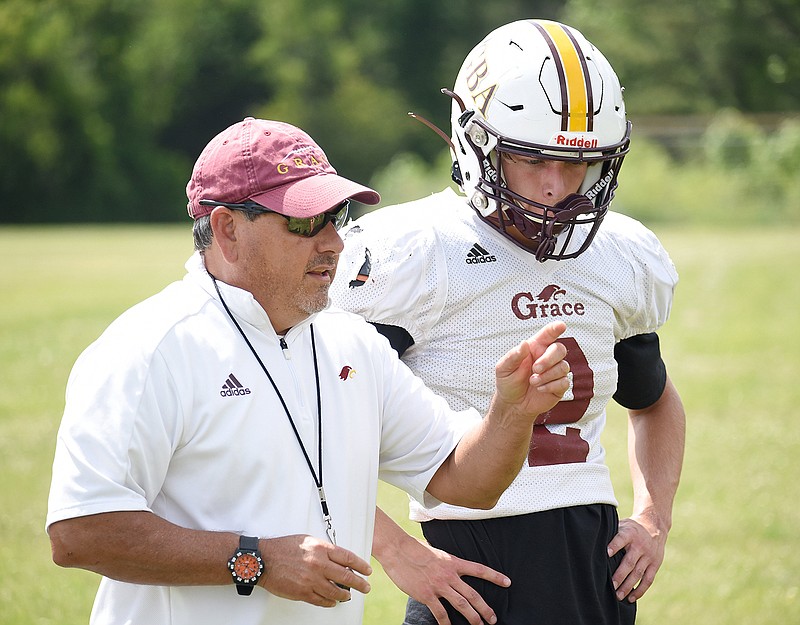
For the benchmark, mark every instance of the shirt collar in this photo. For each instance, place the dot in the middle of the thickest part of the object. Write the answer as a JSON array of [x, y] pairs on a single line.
[[240, 302]]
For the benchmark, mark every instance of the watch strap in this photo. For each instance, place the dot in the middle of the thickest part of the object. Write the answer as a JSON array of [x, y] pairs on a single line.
[[244, 589], [247, 544]]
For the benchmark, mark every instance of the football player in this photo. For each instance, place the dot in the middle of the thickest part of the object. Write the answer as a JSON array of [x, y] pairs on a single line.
[[539, 134]]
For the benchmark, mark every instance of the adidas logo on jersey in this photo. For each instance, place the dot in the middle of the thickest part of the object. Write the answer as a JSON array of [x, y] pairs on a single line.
[[479, 255], [233, 388]]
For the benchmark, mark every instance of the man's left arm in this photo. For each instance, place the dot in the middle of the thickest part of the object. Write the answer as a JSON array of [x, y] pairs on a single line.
[[656, 436], [529, 380]]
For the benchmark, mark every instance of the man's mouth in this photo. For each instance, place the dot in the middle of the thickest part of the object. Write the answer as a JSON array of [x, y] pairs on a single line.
[[322, 272]]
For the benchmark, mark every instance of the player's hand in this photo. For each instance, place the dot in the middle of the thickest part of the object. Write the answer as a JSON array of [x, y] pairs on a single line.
[[534, 376], [428, 574], [644, 547], [304, 568]]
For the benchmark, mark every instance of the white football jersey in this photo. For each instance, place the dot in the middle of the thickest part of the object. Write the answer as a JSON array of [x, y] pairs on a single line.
[[467, 295]]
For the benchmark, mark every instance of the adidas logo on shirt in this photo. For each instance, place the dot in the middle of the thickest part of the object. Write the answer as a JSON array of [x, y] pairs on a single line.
[[479, 255], [233, 387]]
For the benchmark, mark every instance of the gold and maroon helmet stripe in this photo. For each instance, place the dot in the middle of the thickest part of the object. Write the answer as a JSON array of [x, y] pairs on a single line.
[[577, 109]]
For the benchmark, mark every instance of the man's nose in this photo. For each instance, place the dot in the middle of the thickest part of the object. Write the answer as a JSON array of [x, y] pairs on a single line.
[[555, 185], [328, 240]]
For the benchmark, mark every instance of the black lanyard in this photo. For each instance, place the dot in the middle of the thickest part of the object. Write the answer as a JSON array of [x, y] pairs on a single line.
[[317, 477]]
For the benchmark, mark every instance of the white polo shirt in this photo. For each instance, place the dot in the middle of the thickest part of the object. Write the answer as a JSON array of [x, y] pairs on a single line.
[[169, 412]]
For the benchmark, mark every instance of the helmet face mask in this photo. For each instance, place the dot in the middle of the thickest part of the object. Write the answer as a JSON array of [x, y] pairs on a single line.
[[539, 90]]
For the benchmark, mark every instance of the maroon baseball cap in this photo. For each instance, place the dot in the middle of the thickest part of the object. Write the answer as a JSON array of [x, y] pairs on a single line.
[[273, 164]]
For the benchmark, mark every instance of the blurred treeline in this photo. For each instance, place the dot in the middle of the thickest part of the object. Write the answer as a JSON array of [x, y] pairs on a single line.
[[105, 104]]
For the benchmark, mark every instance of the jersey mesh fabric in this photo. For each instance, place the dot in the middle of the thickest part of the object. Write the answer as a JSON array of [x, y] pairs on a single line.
[[467, 295]]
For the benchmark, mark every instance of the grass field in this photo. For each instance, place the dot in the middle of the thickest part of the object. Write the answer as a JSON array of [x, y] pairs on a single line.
[[732, 346]]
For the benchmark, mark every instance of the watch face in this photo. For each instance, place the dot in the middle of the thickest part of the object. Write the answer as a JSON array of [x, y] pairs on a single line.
[[247, 567]]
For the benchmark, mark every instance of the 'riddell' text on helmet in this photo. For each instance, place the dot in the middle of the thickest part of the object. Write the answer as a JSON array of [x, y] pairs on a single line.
[[538, 89]]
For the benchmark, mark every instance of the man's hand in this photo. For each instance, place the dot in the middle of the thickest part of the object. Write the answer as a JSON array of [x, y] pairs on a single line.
[[644, 546], [304, 568], [533, 376], [429, 575]]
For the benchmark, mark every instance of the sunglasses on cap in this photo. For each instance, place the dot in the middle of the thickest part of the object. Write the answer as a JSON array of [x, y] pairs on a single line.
[[304, 226]]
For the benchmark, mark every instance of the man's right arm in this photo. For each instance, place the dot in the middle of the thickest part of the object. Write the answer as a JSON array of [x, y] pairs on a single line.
[[142, 548]]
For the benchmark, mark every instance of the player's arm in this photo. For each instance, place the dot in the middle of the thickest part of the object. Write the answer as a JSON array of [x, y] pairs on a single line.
[[429, 575], [656, 437]]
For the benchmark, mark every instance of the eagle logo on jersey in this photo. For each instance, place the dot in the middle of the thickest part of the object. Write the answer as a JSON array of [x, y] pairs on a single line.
[[347, 372], [550, 292], [363, 273]]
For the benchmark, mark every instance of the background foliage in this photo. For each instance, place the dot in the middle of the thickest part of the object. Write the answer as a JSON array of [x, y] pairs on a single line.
[[105, 104]]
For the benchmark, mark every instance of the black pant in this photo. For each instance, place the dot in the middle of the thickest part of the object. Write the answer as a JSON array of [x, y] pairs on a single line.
[[557, 561]]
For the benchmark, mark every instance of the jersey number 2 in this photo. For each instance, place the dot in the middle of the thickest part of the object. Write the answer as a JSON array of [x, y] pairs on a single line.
[[548, 448]]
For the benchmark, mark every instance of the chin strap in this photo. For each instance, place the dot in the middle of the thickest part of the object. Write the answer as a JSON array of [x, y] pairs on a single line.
[[566, 210], [546, 247], [573, 205], [542, 232]]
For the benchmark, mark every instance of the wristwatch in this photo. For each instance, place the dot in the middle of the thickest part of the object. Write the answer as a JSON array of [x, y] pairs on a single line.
[[246, 565]]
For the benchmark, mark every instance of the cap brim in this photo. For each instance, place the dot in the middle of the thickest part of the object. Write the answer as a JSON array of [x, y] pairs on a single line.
[[314, 195]]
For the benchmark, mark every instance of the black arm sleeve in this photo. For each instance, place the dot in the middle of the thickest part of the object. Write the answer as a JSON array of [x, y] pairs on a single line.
[[642, 373], [398, 337]]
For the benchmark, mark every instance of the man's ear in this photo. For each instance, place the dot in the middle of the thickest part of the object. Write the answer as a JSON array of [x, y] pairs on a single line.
[[223, 225]]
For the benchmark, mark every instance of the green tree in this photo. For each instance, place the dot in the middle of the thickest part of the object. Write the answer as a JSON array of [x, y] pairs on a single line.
[[692, 56], [350, 71], [99, 100]]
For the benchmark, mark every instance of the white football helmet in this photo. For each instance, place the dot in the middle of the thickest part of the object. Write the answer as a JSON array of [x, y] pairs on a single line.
[[539, 89]]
